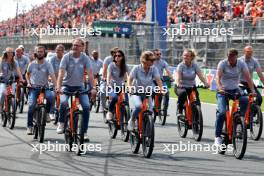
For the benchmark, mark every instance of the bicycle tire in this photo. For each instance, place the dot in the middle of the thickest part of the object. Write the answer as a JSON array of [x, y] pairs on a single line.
[[41, 126], [97, 103], [239, 131], [197, 122], [21, 101], [182, 125], [11, 114], [112, 127], [78, 135], [124, 123], [255, 133], [148, 135], [67, 132], [162, 112]]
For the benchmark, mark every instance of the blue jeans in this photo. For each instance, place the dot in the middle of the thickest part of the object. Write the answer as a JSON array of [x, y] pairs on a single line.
[[114, 99], [137, 101], [84, 100], [222, 101], [32, 101]]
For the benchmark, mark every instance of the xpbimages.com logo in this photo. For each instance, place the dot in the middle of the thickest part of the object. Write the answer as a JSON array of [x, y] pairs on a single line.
[[193, 31], [80, 32]]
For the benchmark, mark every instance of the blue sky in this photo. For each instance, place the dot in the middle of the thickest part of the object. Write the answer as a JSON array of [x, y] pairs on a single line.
[[8, 7]]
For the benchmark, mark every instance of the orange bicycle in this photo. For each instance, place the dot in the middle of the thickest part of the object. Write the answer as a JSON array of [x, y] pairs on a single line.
[[57, 108], [145, 132], [253, 118], [9, 106], [191, 118], [234, 131], [121, 117], [73, 133]]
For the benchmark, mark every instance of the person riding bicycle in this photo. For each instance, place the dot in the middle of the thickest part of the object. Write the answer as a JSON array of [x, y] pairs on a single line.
[[71, 79], [96, 63], [162, 65], [55, 63], [8, 68], [185, 79], [227, 80], [108, 60], [253, 65], [37, 76], [140, 82], [117, 73]]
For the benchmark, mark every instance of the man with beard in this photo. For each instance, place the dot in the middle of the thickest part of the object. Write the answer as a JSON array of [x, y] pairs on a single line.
[[37, 75]]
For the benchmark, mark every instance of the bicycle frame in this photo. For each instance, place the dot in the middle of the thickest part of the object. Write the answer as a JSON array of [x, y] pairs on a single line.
[[9, 92], [251, 100], [74, 103], [117, 107], [188, 104], [229, 117], [144, 107]]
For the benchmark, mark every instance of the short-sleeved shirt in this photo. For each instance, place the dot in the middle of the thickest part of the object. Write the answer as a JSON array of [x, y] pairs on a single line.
[[231, 75], [6, 70], [143, 78], [96, 65], [39, 73], [74, 68], [23, 63], [161, 65], [108, 60], [115, 74], [55, 62], [188, 74], [252, 65]]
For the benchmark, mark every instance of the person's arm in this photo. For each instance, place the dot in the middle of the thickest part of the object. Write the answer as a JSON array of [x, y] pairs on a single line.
[[19, 74], [168, 72], [202, 78], [219, 75], [60, 78], [28, 75], [260, 74], [109, 76], [249, 80], [178, 78], [53, 79]]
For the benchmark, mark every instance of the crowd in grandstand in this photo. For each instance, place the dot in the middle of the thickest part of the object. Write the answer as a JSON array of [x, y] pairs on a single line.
[[75, 13]]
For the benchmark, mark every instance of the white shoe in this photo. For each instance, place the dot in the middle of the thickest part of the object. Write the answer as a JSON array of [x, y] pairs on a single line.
[[60, 128], [86, 138], [131, 125], [47, 118], [218, 141], [30, 131], [52, 117], [109, 116]]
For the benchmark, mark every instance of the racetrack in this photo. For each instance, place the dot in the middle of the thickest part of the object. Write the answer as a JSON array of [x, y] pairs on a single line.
[[115, 157]]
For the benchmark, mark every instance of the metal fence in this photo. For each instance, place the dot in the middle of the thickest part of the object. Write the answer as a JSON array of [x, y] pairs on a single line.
[[147, 36]]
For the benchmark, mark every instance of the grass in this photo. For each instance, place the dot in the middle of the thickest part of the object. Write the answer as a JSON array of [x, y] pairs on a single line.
[[207, 96]]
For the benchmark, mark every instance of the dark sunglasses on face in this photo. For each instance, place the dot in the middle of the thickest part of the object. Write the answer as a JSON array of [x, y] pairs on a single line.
[[118, 55]]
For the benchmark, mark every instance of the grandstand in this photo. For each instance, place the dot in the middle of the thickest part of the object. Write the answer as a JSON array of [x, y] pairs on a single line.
[[133, 33]]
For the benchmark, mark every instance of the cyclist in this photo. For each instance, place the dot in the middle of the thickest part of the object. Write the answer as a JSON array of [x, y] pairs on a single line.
[[108, 60], [227, 80], [162, 65], [55, 61], [8, 68], [253, 65], [71, 74], [185, 79], [37, 76], [117, 73], [140, 80]]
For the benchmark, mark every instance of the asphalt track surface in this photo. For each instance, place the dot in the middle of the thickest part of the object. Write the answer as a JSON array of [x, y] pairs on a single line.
[[114, 157]]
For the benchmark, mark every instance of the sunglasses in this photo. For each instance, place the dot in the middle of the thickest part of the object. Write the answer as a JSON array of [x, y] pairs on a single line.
[[118, 55]]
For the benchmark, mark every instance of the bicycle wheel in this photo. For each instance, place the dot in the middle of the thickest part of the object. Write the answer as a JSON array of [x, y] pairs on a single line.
[[3, 119], [134, 141], [97, 103], [163, 111], [21, 101], [239, 137], [197, 122], [124, 123], [42, 123], [112, 127], [67, 132], [78, 135], [256, 122], [11, 114], [35, 126], [182, 125], [148, 136]]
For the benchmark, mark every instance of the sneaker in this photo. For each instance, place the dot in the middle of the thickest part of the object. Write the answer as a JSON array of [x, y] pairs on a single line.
[[218, 141], [48, 118], [52, 117], [109, 116], [131, 125], [101, 109], [30, 131], [60, 128], [86, 138]]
